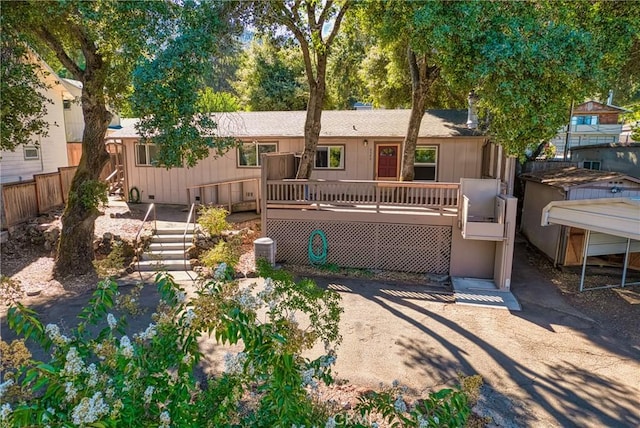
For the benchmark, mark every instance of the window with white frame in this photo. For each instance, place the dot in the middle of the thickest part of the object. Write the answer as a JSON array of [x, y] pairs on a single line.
[[329, 157], [425, 166], [31, 153], [146, 154], [249, 154]]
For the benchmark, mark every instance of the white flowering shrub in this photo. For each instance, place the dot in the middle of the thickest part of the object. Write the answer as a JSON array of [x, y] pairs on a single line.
[[101, 375]]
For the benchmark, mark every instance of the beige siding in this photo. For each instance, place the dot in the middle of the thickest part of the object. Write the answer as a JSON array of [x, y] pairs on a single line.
[[170, 186], [457, 158], [536, 197]]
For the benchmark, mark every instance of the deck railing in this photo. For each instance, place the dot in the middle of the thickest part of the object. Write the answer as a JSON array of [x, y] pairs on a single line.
[[319, 193]]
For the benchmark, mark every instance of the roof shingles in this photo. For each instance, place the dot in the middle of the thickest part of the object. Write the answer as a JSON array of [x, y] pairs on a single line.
[[335, 123]]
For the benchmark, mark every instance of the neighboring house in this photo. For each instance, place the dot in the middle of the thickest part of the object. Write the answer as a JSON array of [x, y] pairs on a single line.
[[50, 153], [626, 136], [560, 243], [622, 157], [592, 123], [353, 145], [74, 121]]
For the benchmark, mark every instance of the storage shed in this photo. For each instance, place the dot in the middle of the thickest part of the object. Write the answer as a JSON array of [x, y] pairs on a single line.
[[564, 244]]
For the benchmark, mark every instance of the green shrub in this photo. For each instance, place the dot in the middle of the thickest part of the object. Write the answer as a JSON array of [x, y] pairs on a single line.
[[213, 220], [99, 376], [224, 252]]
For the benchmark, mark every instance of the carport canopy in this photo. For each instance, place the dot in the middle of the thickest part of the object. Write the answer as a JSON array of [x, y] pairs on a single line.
[[619, 217]]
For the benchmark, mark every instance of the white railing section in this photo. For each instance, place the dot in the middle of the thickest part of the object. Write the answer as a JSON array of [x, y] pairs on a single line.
[[361, 193]]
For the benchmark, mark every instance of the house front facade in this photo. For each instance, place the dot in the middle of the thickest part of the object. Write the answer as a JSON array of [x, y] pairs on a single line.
[[353, 145]]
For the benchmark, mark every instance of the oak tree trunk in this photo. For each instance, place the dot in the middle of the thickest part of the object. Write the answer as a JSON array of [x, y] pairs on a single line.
[[422, 77], [75, 251], [312, 126], [313, 121]]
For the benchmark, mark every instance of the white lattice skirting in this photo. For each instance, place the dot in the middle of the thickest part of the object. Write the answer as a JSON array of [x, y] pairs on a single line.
[[398, 247]]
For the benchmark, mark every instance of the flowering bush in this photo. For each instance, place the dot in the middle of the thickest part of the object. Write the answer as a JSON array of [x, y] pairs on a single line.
[[100, 376]]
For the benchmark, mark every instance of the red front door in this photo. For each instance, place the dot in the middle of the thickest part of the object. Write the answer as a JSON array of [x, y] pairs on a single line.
[[387, 161]]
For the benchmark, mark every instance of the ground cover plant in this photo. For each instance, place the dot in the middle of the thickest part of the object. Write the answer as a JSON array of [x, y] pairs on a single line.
[[99, 375]]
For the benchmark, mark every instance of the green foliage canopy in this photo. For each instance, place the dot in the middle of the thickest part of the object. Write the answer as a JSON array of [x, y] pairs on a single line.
[[23, 105], [166, 89], [526, 60], [210, 101], [272, 77]]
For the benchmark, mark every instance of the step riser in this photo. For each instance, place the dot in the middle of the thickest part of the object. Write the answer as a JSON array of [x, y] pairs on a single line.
[[173, 231], [163, 257], [167, 246], [171, 238], [166, 250], [168, 266]]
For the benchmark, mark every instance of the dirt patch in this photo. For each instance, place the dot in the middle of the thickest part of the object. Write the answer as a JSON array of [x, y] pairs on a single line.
[[26, 258], [617, 308]]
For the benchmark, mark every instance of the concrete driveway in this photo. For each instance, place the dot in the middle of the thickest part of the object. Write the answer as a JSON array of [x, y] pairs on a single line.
[[544, 366], [547, 365]]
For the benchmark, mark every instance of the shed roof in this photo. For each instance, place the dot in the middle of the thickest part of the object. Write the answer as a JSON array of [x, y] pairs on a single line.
[[566, 178], [613, 216], [618, 145], [335, 123]]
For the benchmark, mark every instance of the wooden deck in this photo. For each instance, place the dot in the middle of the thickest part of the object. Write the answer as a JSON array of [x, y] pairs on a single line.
[[381, 197]]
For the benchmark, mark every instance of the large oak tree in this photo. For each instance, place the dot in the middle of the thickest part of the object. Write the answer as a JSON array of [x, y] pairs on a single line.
[[101, 43], [314, 25], [527, 61]]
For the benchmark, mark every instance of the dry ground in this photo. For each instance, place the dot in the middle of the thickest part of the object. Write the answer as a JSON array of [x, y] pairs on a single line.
[[618, 309]]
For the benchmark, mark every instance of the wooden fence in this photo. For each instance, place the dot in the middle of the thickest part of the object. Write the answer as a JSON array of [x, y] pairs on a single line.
[[25, 200]]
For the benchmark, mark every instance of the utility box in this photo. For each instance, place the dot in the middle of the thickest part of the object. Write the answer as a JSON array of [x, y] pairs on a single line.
[[265, 248]]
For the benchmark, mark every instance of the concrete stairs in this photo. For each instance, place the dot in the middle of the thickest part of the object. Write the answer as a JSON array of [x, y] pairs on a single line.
[[167, 250]]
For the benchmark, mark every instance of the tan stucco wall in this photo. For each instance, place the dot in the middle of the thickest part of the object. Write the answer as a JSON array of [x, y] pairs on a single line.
[[536, 197], [470, 258]]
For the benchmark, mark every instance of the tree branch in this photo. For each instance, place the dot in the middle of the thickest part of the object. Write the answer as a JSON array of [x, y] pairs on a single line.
[[88, 47], [289, 21], [56, 46], [325, 11], [337, 23]]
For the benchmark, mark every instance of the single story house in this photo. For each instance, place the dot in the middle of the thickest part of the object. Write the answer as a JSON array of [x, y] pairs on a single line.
[[622, 157], [353, 145], [564, 244]]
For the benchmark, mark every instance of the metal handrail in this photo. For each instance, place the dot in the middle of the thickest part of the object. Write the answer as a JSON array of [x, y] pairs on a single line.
[[184, 235], [155, 225]]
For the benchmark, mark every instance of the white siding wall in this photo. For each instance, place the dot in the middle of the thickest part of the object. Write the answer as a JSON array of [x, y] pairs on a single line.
[[625, 189], [53, 150]]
